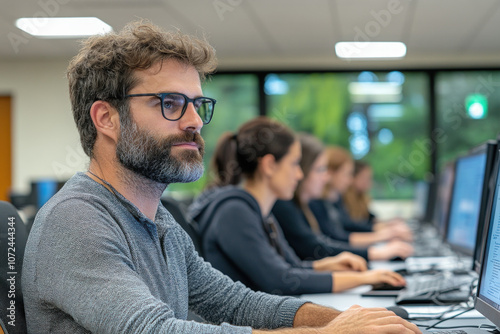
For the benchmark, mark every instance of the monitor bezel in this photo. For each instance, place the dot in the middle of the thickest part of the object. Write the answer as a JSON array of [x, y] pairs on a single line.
[[480, 303], [442, 226]]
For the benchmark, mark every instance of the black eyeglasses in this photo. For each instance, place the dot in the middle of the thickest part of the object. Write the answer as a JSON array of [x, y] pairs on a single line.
[[174, 105]]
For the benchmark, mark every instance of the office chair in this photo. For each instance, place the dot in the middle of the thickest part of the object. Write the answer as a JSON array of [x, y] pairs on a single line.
[[178, 210], [13, 237]]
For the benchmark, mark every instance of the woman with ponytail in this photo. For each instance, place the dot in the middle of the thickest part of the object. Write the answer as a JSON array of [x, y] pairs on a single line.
[[252, 169]]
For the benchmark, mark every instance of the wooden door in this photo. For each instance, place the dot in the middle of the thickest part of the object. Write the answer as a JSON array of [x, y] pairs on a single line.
[[5, 148]]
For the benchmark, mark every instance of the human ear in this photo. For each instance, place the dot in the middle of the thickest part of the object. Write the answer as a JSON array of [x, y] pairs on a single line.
[[106, 119], [268, 164]]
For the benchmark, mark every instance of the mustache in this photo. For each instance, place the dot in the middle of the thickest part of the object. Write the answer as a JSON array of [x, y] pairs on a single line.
[[186, 137]]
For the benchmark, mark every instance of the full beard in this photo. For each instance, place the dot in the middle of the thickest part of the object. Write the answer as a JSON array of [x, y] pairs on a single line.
[[144, 154]]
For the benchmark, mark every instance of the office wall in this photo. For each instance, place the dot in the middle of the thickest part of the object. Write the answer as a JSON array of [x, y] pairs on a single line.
[[44, 137]]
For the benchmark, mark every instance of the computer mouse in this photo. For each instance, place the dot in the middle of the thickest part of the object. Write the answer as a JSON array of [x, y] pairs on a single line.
[[387, 286], [401, 312]]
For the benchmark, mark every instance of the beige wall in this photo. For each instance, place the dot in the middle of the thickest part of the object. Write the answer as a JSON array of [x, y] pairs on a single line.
[[45, 139]]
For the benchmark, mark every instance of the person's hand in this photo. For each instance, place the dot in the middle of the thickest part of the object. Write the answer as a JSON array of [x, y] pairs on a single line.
[[390, 250], [378, 224], [396, 231], [359, 320], [383, 276], [398, 248], [395, 221], [341, 262], [403, 232]]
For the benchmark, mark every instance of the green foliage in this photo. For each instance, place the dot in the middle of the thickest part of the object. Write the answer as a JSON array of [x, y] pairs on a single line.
[[315, 103], [319, 103], [237, 103], [461, 133]]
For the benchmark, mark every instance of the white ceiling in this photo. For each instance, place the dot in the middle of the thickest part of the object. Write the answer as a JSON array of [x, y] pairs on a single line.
[[285, 34]]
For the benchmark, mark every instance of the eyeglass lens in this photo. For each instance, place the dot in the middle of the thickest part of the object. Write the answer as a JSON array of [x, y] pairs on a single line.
[[174, 104]]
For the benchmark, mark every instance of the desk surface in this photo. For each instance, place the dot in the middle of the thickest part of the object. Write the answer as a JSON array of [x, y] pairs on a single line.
[[342, 301]]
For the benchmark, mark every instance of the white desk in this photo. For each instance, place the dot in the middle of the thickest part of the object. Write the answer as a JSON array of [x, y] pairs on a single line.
[[342, 301]]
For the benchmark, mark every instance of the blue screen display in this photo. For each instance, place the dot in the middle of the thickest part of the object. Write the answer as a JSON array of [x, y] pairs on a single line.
[[466, 201], [45, 190]]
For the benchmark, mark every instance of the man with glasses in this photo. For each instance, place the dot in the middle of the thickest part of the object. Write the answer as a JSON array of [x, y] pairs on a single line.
[[104, 256]]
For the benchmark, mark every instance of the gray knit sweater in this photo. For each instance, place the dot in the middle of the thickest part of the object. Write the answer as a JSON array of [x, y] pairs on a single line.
[[94, 263]]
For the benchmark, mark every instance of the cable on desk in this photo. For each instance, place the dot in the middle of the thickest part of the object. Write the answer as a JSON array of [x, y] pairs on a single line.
[[482, 326], [449, 318], [437, 316], [473, 284]]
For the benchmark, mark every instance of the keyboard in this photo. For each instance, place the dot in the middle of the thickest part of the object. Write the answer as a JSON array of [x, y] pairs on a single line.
[[447, 331], [457, 331], [444, 288]]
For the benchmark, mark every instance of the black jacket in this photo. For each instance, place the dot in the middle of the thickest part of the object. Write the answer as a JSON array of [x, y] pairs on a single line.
[[306, 243], [238, 241]]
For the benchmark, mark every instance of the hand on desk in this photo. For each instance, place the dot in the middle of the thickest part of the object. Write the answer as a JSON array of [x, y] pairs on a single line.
[[384, 276], [395, 228], [341, 262], [347, 280], [401, 232], [359, 320], [395, 248]]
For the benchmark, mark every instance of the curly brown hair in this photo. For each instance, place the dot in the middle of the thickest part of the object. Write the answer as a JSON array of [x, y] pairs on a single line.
[[104, 68]]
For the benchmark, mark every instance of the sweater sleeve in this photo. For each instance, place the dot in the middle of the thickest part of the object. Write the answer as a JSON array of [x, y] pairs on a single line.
[[84, 270], [307, 244], [218, 299], [242, 238]]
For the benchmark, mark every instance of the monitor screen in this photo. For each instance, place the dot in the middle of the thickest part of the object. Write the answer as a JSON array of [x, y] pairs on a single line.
[[488, 296], [445, 186], [466, 202], [42, 191]]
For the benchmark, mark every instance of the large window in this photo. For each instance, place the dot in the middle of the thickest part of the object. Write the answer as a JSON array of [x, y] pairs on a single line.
[[237, 102], [468, 105], [381, 118]]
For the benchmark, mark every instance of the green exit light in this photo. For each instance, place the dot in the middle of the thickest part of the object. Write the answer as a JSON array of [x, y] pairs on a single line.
[[476, 106]]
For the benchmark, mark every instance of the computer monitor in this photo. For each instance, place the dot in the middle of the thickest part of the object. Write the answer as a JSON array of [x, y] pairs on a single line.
[[488, 293], [420, 199], [469, 198], [490, 183], [42, 190], [445, 186]]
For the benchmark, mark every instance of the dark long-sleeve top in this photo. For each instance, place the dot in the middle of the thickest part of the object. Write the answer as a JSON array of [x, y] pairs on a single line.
[[329, 220], [348, 223], [236, 241], [306, 243]]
